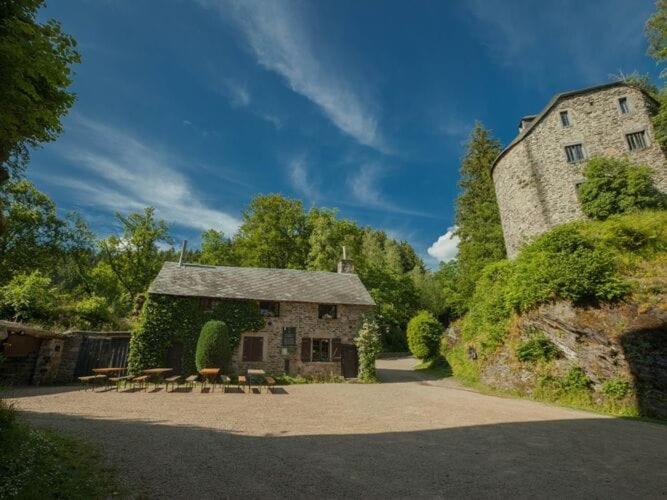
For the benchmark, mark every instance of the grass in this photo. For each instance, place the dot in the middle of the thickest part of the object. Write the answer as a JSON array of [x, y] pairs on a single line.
[[285, 379], [438, 367], [45, 464]]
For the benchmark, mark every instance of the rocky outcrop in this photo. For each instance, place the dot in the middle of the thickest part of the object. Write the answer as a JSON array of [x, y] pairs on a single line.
[[626, 342]]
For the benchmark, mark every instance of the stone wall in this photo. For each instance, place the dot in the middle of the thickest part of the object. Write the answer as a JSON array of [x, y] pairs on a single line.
[[535, 185], [304, 317]]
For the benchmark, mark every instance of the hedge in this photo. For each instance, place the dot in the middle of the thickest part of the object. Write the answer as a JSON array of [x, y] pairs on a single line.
[[213, 349]]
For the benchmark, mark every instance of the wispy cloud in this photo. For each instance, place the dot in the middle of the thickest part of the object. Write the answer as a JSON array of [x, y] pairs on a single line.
[[239, 95], [300, 178], [276, 35], [123, 173], [446, 247]]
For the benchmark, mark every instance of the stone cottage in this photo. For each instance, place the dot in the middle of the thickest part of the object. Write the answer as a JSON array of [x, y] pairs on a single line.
[[311, 317], [537, 175]]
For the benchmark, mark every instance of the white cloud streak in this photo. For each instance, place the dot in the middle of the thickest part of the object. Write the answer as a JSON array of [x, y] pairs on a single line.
[[300, 178], [276, 35], [123, 173], [446, 247]]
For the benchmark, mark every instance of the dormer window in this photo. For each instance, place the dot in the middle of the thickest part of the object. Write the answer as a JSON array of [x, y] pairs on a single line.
[[565, 118], [623, 105], [575, 153]]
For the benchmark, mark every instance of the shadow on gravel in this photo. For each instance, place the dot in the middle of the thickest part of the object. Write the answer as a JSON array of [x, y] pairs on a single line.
[[597, 457]]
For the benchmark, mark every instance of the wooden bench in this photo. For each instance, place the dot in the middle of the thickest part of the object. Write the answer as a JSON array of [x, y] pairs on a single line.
[[270, 382], [191, 380], [87, 381], [241, 382], [118, 380], [174, 381], [141, 381]]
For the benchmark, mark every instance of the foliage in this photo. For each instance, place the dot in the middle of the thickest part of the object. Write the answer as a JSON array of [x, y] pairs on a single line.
[[216, 249], [327, 236], [369, 345], [477, 214], [165, 320], [35, 60], [537, 348], [574, 380], [448, 276], [615, 186], [44, 464], [93, 311], [134, 257], [430, 291], [616, 388], [424, 332], [213, 349], [656, 31], [28, 297], [273, 233], [659, 119], [639, 80]]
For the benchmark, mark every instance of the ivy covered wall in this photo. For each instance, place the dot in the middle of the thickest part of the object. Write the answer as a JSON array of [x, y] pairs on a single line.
[[167, 319]]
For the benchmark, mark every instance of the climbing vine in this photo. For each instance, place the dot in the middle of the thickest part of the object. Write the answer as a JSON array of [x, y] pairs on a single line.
[[167, 319]]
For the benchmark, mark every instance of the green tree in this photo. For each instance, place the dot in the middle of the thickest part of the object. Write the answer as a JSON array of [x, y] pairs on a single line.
[[327, 236], [448, 278], [477, 215], [134, 257], [28, 297], [369, 345], [216, 249], [213, 346], [424, 332], [273, 233], [33, 235], [36, 62], [656, 31], [615, 186], [430, 291]]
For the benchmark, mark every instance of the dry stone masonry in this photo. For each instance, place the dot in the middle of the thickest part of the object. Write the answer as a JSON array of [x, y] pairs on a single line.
[[536, 185]]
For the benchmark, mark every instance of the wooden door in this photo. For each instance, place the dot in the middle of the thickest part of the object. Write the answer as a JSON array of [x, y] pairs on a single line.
[[349, 360]]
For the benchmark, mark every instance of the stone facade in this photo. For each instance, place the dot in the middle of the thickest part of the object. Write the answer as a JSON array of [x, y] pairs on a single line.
[[304, 317], [535, 185]]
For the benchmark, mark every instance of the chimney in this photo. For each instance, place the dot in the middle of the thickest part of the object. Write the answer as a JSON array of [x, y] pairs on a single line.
[[183, 249], [345, 265]]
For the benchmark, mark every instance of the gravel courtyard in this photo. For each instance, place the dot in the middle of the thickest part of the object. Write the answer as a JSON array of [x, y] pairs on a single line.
[[408, 437]]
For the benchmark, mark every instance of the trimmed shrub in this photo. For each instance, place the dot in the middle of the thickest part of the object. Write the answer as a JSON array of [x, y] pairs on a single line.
[[537, 348], [616, 186], [369, 345], [213, 348], [424, 332]]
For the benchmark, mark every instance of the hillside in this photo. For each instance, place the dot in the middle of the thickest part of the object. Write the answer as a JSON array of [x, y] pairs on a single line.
[[579, 318]]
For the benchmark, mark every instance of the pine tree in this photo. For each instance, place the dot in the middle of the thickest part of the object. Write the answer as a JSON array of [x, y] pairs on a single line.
[[477, 214]]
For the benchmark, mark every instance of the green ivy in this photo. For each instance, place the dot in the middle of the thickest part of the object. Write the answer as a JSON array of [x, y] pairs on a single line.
[[167, 319]]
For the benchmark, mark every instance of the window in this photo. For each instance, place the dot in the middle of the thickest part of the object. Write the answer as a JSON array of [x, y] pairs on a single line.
[[326, 311], [253, 348], [321, 350], [574, 153], [565, 118], [636, 140], [269, 309], [289, 336], [623, 105], [207, 304]]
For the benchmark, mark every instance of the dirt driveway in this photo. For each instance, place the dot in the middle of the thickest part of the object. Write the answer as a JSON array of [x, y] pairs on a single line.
[[408, 437]]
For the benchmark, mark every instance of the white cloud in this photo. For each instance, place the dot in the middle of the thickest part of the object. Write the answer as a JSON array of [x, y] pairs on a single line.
[[446, 247], [300, 178], [275, 32], [239, 95], [122, 173]]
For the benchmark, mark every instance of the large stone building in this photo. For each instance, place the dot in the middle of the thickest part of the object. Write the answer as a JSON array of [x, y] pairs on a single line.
[[537, 175], [311, 317]]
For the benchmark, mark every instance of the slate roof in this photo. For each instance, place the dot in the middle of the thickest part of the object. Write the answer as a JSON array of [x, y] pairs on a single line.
[[252, 283], [538, 118]]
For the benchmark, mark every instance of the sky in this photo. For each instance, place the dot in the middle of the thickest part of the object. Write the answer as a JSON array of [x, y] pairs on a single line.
[[196, 106]]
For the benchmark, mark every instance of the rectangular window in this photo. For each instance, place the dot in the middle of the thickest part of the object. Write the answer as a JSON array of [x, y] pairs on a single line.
[[253, 348], [574, 153], [623, 105], [327, 311], [636, 140], [207, 304], [321, 350], [269, 309], [565, 118], [289, 336]]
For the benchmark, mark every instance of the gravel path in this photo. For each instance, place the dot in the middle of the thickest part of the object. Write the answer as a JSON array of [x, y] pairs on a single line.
[[409, 437]]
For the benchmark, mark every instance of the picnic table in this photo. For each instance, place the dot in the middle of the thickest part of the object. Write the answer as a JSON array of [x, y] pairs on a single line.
[[257, 373], [109, 371], [157, 373], [209, 375]]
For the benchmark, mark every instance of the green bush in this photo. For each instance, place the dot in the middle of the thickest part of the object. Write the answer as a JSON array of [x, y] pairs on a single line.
[[616, 186], [213, 348], [574, 380], [369, 345], [424, 332], [94, 310], [29, 296], [616, 388], [537, 348]]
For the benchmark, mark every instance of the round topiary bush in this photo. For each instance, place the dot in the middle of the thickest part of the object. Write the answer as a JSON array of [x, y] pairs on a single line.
[[213, 347], [424, 332]]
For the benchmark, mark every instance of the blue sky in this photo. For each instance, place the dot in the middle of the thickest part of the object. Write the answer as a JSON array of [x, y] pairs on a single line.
[[194, 106]]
